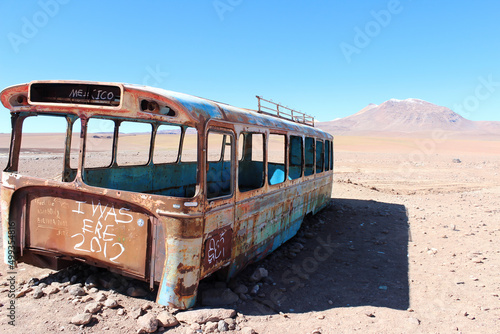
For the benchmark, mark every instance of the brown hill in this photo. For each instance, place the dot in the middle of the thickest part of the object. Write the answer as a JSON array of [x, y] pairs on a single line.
[[410, 117]]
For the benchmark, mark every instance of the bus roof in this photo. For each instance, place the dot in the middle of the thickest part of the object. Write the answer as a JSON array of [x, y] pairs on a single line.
[[69, 96]]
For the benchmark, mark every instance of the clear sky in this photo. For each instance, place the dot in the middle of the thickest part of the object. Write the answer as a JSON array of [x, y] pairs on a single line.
[[326, 58]]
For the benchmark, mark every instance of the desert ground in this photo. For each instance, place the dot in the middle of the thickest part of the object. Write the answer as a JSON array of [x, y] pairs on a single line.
[[409, 243]]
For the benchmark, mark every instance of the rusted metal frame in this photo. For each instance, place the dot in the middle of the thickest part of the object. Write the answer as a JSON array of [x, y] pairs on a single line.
[[17, 121], [114, 151], [152, 142], [70, 120]]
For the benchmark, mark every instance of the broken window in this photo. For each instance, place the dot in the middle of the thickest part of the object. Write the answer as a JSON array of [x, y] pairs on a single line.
[[167, 141], [134, 143], [219, 163], [327, 155], [99, 145], [276, 159], [251, 161]]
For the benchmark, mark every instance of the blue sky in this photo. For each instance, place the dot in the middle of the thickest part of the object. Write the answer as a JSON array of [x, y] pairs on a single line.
[[326, 58]]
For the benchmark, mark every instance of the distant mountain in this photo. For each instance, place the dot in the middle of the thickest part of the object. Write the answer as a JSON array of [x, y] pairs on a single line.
[[410, 117]]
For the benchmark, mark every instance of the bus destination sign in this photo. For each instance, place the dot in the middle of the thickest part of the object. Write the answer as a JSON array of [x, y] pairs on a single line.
[[101, 95]]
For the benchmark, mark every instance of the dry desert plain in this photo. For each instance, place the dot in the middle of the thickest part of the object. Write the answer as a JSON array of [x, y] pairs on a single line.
[[409, 243]]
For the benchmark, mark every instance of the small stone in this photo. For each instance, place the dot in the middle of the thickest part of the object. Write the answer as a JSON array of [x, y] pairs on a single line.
[[38, 293], [241, 289], [93, 290], [320, 317], [202, 316], [210, 327], [24, 291], [86, 299], [222, 326], [146, 306], [73, 279], [330, 302], [165, 319], [81, 319], [259, 274], [136, 292], [110, 303], [76, 290], [136, 313], [231, 323], [120, 311], [93, 308], [414, 321], [255, 289], [91, 282], [247, 330], [147, 323], [100, 297]]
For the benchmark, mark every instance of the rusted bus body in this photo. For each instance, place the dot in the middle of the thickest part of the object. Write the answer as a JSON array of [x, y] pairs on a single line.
[[170, 224]]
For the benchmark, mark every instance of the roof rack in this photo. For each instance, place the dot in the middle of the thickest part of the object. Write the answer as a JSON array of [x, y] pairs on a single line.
[[277, 110]]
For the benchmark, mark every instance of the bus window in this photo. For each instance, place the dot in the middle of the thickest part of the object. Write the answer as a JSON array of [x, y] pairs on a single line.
[[190, 145], [251, 161], [75, 144], [168, 138], [134, 141], [295, 163], [219, 164], [309, 157], [327, 155], [331, 156], [276, 159], [319, 156], [99, 145], [49, 160]]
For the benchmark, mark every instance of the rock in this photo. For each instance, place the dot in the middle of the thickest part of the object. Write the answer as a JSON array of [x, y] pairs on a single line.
[[147, 323], [217, 297], [202, 316], [73, 279], [247, 330], [231, 323], [100, 297], [456, 161], [76, 290], [210, 327], [121, 312], [93, 308], [86, 299], [93, 290], [110, 303], [91, 282], [255, 289], [38, 293], [165, 319], [414, 321], [241, 289], [81, 319], [146, 306], [222, 326], [136, 292], [23, 292], [136, 313], [42, 285], [258, 274]]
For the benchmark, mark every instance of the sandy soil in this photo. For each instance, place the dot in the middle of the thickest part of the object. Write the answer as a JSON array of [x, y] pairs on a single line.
[[408, 244]]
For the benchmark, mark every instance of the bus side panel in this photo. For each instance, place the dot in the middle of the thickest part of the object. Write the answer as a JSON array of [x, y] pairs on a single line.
[[10, 233], [181, 270]]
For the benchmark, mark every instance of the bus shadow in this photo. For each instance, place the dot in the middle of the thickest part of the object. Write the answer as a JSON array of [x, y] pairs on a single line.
[[353, 253]]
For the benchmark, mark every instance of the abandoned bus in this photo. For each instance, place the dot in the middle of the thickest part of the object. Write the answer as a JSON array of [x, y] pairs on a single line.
[[160, 186]]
